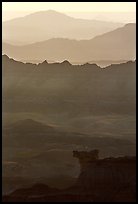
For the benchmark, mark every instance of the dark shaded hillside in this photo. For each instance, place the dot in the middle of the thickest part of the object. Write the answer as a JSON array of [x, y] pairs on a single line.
[[27, 135], [34, 152], [51, 109], [83, 98], [67, 89]]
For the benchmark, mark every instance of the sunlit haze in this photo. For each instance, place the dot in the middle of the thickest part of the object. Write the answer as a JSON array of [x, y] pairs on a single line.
[[109, 11]]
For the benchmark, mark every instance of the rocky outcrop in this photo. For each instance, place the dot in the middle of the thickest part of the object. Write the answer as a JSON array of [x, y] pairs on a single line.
[[105, 180], [109, 178]]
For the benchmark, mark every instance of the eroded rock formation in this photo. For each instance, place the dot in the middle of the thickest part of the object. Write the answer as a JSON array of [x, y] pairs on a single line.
[[109, 178], [105, 180]]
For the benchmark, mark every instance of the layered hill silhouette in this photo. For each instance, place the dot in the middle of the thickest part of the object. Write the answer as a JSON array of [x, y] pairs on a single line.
[[115, 45], [97, 90], [79, 106], [62, 102], [74, 96], [30, 133], [44, 25]]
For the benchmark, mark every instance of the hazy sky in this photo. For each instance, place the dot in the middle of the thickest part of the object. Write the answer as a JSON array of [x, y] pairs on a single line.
[[110, 11]]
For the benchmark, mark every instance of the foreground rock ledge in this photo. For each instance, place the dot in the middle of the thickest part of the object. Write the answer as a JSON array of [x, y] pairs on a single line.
[[105, 180]]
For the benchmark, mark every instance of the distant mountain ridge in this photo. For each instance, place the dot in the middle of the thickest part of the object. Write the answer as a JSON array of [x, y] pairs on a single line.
[[62, 63], [30, 125], [119, 44], [44, 25]]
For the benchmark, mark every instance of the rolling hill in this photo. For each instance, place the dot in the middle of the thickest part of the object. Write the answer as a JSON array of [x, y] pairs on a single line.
[[117, 45]]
